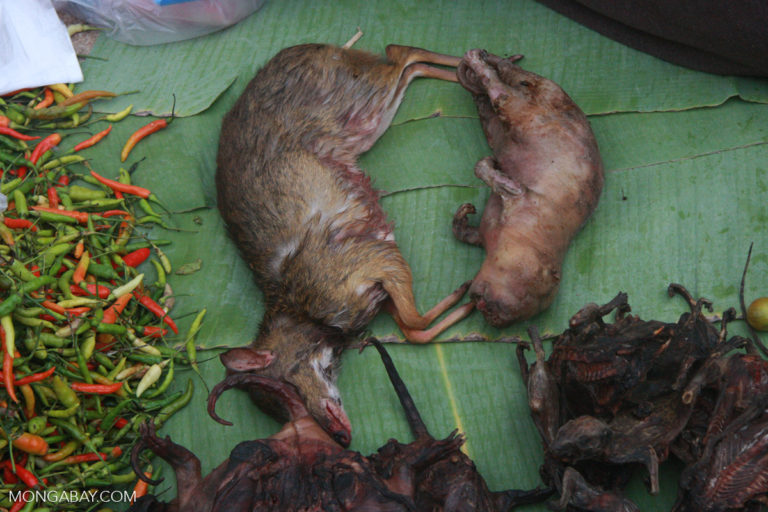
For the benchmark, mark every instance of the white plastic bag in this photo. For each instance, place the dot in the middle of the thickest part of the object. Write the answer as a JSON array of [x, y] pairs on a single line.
[[36, 49], [147, 22]]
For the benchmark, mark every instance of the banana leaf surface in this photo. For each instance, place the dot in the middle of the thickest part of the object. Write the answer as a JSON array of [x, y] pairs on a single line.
[[686, 155]]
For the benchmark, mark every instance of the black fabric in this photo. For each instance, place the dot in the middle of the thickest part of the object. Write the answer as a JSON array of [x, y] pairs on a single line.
[[727, 37]]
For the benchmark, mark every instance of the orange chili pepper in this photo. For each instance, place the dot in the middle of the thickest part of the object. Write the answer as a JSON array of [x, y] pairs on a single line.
[[79, 248], [86, 96], [8, 368], [122, 187], [43, 146], [29, 400], [82, 267], [99, 389], [93, 140], [154, 126], [53, 306], [47, 99], [82, 217], [117, 307], [141, 487], [31, 443]]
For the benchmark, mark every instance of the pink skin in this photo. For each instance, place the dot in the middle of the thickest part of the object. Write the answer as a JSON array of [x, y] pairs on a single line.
[[545, 176]]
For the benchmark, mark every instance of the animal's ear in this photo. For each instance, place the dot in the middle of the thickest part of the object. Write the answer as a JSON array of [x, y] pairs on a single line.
[[243, 359]]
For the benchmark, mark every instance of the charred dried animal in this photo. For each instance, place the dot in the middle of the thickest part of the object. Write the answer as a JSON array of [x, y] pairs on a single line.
[[303, 468]]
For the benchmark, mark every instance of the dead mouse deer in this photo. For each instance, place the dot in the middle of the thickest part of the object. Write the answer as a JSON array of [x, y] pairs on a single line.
[[307, 219]]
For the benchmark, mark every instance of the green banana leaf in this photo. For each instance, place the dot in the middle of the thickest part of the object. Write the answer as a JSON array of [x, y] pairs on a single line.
[[685, 195]]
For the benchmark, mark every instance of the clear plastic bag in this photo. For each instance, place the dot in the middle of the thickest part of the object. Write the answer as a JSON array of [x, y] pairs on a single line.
[[147, 22]]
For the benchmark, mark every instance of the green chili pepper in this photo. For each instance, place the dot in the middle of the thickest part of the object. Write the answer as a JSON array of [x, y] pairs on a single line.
[[56, 112], [189, 342], [21, 271], [109, 419], [21, 203], [82, 364], [36, 424], [103, 360], [57, 264], [165, 384], [64, 284], [115, 329], [64, 393], [62, 160], [103, 271], [56, 250], [163, 259], [63, 413], [13, 300], [9, 186], [170, 409], [119, 116], [117, 369], [161, 275], [151, 405], [79, 193]]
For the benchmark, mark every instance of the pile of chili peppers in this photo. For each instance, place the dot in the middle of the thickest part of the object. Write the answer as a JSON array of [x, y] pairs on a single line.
[[85, 354]]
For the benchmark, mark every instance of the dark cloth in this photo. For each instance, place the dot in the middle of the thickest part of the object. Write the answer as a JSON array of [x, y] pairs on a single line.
[[726, 37]]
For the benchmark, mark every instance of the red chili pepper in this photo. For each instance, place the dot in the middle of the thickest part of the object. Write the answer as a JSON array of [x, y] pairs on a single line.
[[53, 197], [8, 476], [121, 422], [82, 217], [63, 180], [94, 139], [153, 331], [154, 126], [99, 389], [95, 290], [157, 309], [19, 224], [18, 505], [92, 457], [112, 213], [43, 146], [21, 172], [23, 473], [4, 130], [35, 377], [123, 187], [47, 99], [137, 257], [4, 121]]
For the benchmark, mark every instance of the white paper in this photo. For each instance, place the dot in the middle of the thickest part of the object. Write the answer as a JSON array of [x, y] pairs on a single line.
[[35, 48]]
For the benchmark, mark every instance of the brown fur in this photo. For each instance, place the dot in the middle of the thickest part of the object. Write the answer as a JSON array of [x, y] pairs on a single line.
[[306, 218]]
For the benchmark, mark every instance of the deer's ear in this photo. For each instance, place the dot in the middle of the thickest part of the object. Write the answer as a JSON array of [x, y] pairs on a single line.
[[243, 359]]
